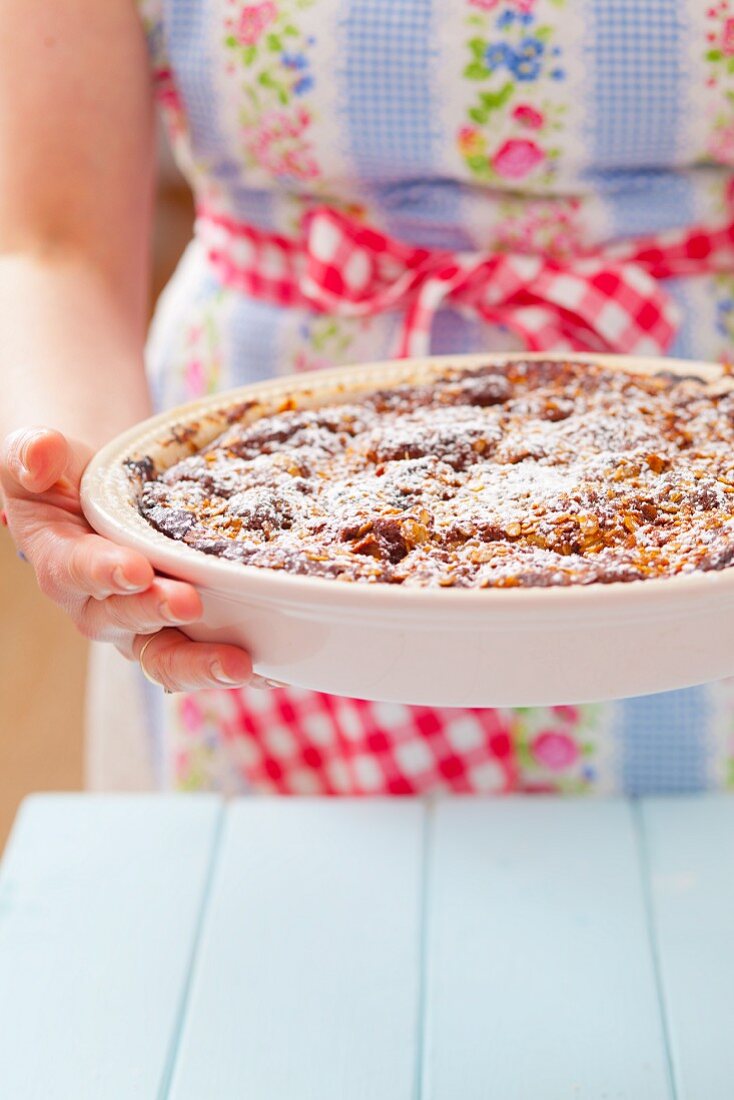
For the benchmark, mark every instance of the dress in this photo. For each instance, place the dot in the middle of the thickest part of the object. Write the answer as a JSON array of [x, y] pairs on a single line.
[[525, 126]]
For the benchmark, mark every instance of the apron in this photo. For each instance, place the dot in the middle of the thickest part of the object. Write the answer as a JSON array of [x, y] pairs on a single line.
[[534, 131]]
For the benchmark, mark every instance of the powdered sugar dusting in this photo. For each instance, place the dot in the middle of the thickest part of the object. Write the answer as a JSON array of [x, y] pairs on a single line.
[[538, 473]]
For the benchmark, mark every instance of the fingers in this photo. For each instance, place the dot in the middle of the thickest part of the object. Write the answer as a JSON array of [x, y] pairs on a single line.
[[164, 602], [178, 664], [93, 566]]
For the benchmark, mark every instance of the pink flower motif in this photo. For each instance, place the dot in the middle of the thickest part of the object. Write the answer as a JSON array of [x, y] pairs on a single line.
[[490, 5], [567, 714], [469, 138], [721, 145], [191, 715], [555, 750], [528, 116], [195, 381], [166, 91], [727, 37], [517, 158], [254, 18]]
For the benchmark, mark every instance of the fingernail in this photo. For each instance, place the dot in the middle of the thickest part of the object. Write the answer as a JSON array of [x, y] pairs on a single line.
[[165, 610], [263, 682], [121, 581], [23, 451], [222, 678]]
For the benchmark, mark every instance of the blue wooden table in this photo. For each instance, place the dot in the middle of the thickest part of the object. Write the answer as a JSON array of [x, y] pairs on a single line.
[[176, 947]]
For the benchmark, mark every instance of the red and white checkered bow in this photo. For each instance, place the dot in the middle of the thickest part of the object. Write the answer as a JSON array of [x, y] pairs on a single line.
[[607, 300]]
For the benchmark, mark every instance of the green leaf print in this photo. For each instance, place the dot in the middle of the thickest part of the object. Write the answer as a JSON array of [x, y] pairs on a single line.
[[275, 43], [267, 80], [249, 53], [714, 55], [478, 47], [230, 41], [476, 70], [492, 101], [479, 165]]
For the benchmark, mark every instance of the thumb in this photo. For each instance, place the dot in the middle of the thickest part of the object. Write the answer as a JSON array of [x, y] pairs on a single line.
[[37, 458]]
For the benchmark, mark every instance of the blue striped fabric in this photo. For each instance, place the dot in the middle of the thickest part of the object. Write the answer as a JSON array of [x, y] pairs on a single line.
[[663, 742], [637, 71], [388, 60], [636, 65], [187, 27], [253, 335], [391, 119]]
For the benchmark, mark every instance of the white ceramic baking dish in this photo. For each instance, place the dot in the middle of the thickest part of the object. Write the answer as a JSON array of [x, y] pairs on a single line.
[[438, 647]]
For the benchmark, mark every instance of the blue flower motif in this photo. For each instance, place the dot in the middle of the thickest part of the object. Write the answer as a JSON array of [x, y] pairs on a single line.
[[723, 309], [297, 61], [558, 74], [588, 772], [526, 18], [498, 54], [506, 19], [531, 47], [526, 68], [305, 84]]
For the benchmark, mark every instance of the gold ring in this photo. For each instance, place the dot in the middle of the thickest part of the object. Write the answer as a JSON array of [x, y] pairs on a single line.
[[141, 662]]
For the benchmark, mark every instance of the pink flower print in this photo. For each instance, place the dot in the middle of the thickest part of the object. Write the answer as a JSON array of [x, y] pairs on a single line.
[[567, 714], [253, 21], [195, 381], [727, 37], [528, 116], [721, 145], [470, 139], [489, 5], [555, 750], [191, 715], [517, 158], [165, 90]]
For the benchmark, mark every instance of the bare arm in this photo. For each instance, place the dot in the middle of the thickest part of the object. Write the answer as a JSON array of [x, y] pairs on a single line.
[[76, 166], [76, 170]]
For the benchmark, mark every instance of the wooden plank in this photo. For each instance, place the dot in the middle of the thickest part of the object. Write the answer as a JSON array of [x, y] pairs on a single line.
[[99, 907], [690, 853], [306, 986], [540, 979]]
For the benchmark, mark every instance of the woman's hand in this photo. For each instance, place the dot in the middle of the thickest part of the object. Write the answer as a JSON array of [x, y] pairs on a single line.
[[110, 592]]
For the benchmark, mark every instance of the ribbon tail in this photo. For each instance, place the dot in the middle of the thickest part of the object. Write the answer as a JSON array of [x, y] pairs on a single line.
[[414, 339]]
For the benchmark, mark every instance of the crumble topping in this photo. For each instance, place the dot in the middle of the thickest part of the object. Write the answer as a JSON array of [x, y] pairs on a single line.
[[529, 473]]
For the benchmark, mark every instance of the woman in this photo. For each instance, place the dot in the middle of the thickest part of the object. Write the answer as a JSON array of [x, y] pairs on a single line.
[[527, 128]]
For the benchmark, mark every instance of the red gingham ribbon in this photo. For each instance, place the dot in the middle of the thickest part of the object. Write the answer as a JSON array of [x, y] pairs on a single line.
[[606, 300]]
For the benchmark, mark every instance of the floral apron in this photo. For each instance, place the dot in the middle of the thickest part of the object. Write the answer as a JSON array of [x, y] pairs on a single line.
[[532, 128]]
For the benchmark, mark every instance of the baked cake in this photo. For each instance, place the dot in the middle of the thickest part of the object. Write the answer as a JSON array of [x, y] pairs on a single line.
[[523, 474]]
